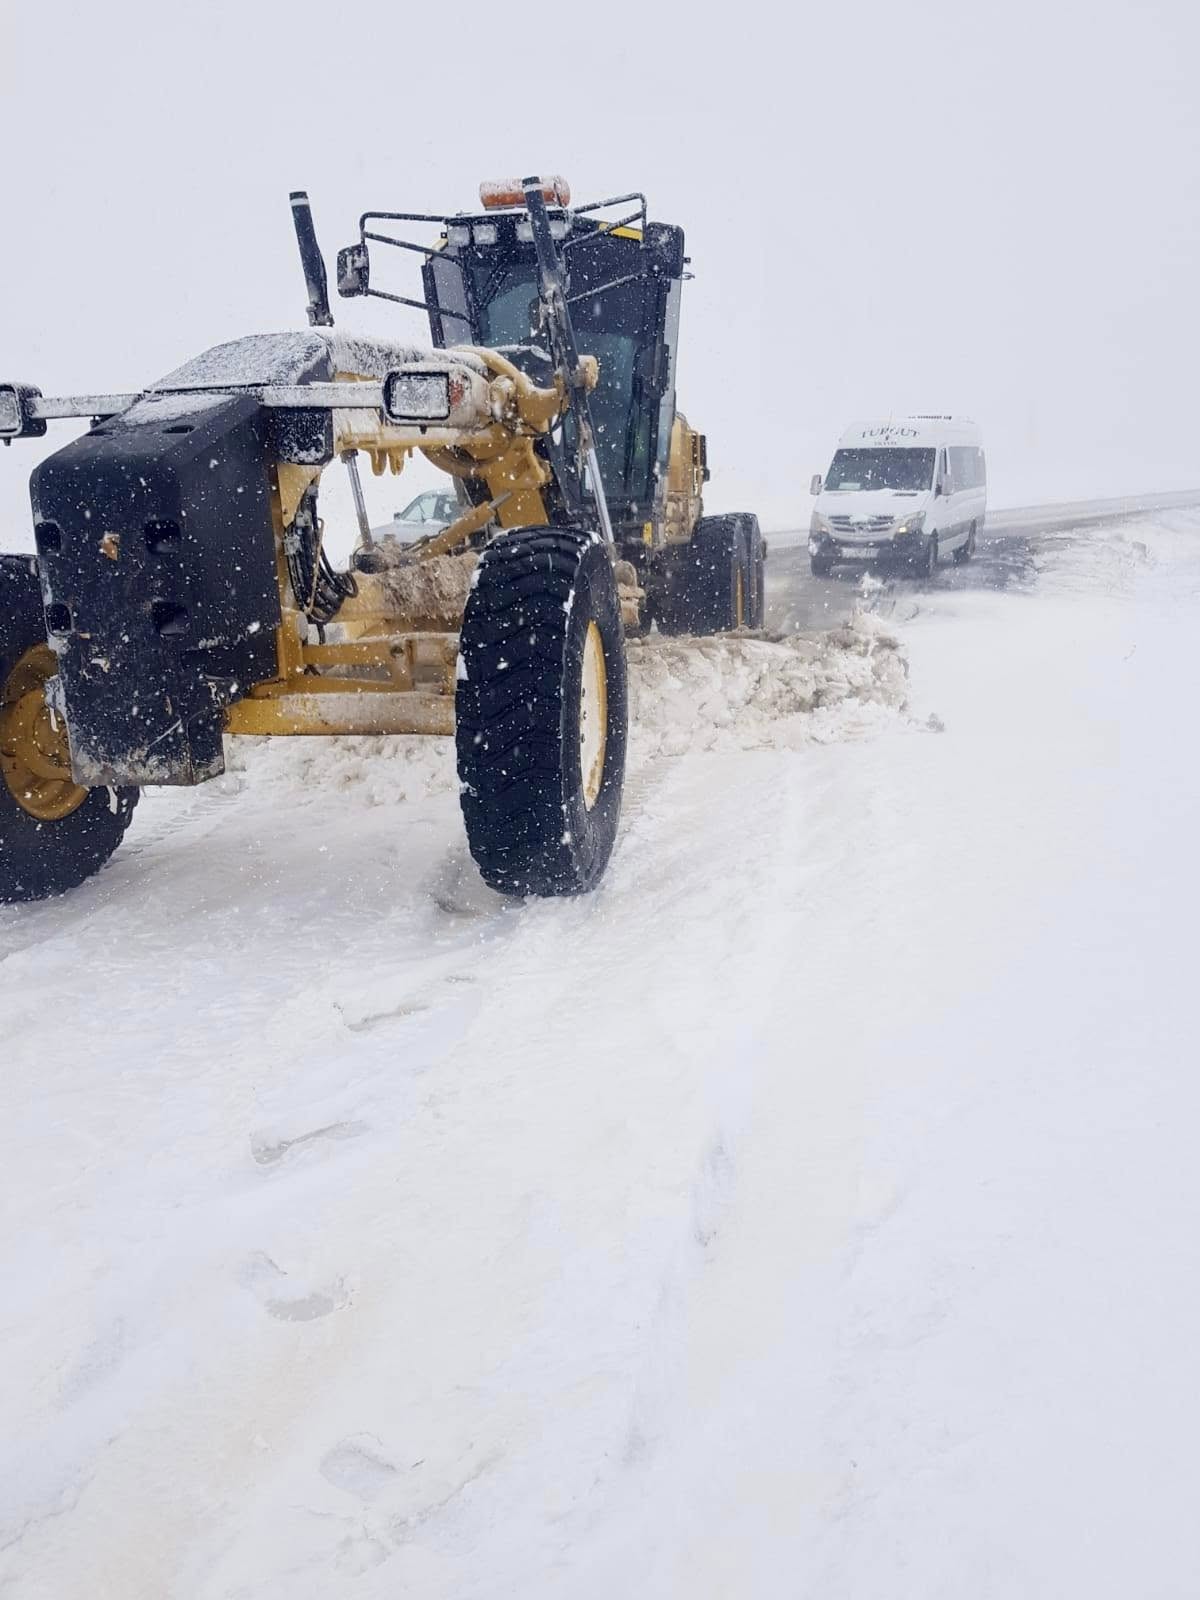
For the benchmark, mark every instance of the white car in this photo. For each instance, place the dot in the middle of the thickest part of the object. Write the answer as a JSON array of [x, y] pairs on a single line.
[[901, 493], [428, 513]]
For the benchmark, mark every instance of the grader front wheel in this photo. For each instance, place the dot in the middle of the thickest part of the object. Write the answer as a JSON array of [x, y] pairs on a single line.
[[53, 834], [541, 709]]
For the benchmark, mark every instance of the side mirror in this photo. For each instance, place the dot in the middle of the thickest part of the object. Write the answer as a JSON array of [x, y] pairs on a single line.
[[18, 412], [945, 487], [817, 483], [353, 271], [663, 244]]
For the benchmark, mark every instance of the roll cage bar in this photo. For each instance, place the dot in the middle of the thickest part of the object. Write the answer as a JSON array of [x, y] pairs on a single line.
[[354, 262]]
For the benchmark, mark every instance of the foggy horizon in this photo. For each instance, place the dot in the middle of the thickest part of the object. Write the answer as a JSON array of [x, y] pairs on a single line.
[[875, 227]]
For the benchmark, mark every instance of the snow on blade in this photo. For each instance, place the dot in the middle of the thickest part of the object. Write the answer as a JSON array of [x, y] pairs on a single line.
[[729, 692]]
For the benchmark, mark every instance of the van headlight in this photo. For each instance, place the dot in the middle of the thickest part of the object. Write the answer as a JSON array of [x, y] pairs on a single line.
[[820, 525], [913, 524]]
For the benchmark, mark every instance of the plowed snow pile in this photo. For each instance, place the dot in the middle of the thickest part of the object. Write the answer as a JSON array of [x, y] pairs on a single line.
[[730, 692]]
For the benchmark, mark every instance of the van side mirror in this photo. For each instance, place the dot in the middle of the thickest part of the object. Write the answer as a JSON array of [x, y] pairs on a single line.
[[945, 487], [817, 484]]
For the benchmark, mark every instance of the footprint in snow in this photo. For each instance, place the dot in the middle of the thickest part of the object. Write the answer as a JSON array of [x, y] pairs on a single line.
[[359, 1466], [358, 1553], [458, 891], [290, 1299], [267, 1151], [712, 1193], [364, 1022]]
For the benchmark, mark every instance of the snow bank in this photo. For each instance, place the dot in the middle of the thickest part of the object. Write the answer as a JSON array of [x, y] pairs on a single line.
[[686, 695], [375, 770], [808, 1211], [1120, 558], [734, 692]]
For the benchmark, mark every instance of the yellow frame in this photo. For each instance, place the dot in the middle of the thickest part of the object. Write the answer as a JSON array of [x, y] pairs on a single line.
[[416, 656]]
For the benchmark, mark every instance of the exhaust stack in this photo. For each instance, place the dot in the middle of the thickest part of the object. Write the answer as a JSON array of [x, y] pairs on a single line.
[[319, 314]]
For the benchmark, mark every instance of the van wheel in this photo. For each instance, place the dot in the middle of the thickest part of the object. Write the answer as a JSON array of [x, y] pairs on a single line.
[[965, 551], [926, 564], [540, 712], [53, 834], [821, 566]]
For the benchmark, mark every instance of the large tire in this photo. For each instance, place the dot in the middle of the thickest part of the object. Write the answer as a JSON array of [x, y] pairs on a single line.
[[820, 566], [673, 607], [541, 712], [53, 834], [926, 564], [721, 547], [965, 551], [709, 585]]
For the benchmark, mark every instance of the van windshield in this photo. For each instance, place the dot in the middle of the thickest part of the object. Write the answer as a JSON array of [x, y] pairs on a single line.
[[881, 469]]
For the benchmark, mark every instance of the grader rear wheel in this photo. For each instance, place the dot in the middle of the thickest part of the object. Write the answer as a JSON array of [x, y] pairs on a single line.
[[724, 589], [35, 757], [757, 572], [715, 583], [540, 712], [53, 834]]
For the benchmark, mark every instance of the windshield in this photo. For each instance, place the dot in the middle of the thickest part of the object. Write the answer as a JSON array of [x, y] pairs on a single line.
[[428, 507], [881, 469], [608, 325]]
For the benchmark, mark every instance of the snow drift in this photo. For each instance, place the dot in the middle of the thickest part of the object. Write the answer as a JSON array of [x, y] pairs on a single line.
[[807, 1211]]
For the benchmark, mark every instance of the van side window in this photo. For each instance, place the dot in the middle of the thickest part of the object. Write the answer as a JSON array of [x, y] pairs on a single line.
[[966, 466]]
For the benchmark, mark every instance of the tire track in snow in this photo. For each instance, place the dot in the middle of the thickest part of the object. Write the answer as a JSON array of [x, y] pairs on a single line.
[[558, 1144], [496, 1263]]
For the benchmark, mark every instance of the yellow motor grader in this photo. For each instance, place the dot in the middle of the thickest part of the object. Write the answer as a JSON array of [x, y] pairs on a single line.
[[182, 590]]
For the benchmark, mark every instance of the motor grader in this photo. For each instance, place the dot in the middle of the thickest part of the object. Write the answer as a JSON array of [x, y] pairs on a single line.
[[182, 589]]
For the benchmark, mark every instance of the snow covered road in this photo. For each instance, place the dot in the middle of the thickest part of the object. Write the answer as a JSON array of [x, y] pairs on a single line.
[[809, 1212]]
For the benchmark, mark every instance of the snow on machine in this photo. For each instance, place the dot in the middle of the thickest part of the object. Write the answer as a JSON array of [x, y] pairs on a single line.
[[182, 591]]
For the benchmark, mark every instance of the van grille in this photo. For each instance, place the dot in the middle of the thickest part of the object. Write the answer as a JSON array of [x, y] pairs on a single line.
[[853, 528]]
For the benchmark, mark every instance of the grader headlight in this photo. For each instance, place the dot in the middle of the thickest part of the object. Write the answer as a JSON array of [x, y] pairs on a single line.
[[559, 228], [417, 396], [10, 412], [17, 416]]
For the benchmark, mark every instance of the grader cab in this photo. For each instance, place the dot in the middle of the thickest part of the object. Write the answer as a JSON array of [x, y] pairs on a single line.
[[182, 590]]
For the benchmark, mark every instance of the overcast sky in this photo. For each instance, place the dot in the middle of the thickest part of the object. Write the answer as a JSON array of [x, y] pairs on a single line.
[[983, 208]]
